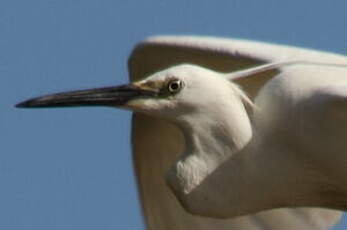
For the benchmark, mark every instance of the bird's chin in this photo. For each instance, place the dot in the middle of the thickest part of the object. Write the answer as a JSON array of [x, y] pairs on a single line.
[[151, 107], [137, 105]]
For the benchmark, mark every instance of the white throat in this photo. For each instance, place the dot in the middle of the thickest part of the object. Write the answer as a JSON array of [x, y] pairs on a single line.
[[210, 139]]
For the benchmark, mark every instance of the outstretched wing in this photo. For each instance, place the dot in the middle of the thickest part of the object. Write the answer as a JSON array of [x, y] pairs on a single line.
[[156, 143], [221, 54]]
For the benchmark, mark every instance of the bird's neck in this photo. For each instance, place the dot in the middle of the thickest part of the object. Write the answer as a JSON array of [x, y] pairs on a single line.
[[207, 145], [223, 175], [209, 142]]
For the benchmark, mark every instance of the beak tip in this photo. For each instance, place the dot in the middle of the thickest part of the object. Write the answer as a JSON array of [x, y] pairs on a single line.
[[24, 104]]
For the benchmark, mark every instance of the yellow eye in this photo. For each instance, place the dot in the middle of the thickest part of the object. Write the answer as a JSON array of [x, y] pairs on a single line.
[[174, 86]]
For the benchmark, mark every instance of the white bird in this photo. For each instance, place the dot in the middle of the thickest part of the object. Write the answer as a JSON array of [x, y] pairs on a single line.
[[222, 155]]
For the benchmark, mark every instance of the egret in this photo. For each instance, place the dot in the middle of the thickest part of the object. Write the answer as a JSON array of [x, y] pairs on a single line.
[[196, 127]]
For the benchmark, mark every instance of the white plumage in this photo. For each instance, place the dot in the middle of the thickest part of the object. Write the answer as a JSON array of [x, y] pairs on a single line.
[[156, 143]]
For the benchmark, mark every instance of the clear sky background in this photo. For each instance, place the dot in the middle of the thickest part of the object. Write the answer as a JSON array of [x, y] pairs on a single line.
[[71, 168]]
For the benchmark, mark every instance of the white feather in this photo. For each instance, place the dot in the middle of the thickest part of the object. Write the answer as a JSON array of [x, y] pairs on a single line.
[[156, 143]]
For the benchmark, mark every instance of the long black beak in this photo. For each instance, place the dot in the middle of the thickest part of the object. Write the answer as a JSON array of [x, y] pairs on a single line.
[[110, 96]]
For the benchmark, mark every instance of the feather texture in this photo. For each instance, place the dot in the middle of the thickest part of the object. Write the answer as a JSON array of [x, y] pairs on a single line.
[[156, 143]]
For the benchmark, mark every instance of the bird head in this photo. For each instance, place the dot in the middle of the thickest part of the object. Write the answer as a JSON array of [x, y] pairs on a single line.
[[174, 93]]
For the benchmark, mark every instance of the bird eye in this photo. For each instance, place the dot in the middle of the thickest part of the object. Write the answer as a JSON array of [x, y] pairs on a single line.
[[174, 86]]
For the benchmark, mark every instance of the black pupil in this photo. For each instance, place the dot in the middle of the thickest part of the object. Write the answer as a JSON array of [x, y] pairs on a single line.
[[174, 86]]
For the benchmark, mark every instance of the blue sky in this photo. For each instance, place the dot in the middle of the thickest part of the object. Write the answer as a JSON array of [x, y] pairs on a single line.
[[71, 168]]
